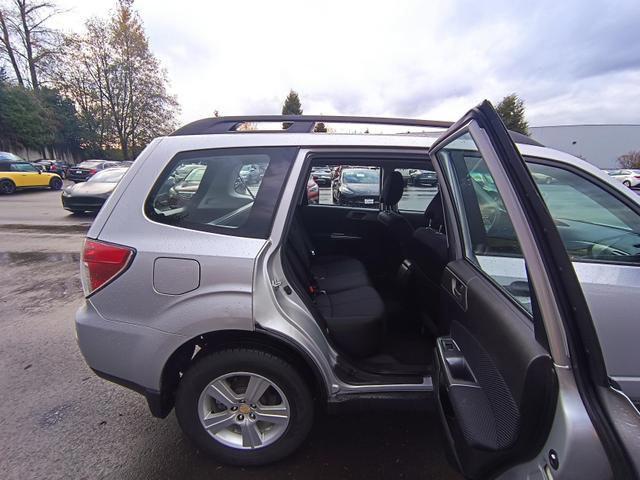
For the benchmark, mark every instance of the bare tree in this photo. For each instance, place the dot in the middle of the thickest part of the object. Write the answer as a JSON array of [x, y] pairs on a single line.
[[630, 160], [7, 47], [29, 43]]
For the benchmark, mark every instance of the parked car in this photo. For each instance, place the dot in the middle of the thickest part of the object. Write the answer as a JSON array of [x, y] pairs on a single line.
[[629, 178], [8, 156], [357, 187], [313, 192], [181, 173], [423, 178], [406, 174], [514, 317], [184, 190], [53, 166], [89, 196], [83, 171], [18, 174], [322, 176]]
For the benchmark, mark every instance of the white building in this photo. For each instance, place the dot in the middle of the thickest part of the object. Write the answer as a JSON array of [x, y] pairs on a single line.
[[600, 145]]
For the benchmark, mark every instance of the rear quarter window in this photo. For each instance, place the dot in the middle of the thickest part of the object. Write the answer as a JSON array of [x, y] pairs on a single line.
[[231, 191]]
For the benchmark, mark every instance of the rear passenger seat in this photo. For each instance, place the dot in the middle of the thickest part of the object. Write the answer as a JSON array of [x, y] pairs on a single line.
[[342, 292]]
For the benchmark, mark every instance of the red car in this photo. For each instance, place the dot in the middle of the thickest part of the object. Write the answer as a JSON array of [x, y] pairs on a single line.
[[313, 192]]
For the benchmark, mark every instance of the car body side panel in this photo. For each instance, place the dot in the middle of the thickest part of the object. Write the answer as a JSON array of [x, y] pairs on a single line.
[[29, 179], [135, 353], [613, 295]]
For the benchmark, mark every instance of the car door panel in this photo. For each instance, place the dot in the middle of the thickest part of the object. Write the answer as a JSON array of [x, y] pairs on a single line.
[[519, 369], [490, 373]]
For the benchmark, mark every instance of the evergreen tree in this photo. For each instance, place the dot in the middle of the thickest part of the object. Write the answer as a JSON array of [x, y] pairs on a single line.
[[511, 110], [292, 104]]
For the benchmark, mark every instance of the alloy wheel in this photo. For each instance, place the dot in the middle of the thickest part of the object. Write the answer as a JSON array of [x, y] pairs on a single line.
[[244, 410]]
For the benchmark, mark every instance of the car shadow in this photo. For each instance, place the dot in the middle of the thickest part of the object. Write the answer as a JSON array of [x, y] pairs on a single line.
[[370, 445]]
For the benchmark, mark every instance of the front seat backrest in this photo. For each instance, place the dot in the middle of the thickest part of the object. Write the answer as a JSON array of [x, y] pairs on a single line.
[[398, 227]]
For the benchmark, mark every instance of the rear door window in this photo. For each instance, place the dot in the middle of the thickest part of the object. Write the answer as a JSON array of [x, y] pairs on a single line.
[[230, 191]]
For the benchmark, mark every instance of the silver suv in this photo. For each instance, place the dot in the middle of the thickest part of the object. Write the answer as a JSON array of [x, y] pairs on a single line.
[[231, 296]]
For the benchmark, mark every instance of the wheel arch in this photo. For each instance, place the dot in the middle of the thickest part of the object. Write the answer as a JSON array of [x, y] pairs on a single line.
[[192, 350]]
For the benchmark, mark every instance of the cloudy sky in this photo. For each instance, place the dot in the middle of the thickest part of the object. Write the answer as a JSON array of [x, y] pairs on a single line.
[[572, 61]]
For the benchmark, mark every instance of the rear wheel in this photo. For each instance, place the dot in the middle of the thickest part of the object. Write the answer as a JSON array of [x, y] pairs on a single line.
[[244, 406], [55, 183], [7, 187], [627, 183]]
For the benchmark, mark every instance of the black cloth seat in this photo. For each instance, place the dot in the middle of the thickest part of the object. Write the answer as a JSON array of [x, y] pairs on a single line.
[[429, 252], [352, 311], [429, 249], [397, 226], [355, 319], [330, 273]]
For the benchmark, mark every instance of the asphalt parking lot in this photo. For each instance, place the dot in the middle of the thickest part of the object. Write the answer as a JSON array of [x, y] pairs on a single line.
[[58, 420]]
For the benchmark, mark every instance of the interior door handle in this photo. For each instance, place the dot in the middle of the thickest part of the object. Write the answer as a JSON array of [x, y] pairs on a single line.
[[458, 288], [459, 292]]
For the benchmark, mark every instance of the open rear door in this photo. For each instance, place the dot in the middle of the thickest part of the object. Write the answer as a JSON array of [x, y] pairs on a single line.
[[516, 391]]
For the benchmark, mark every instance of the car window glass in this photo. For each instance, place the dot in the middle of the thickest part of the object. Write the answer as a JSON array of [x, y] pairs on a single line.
[[593, 223], [345, 185], [23, 167], [221, 190], [420, 188], [489, 236]]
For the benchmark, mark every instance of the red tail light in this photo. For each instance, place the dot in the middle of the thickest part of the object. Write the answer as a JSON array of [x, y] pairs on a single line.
[[101, 263], [93, 171], [636, 176]]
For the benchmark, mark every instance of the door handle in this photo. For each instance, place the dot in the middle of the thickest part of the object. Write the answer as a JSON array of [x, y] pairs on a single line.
[[459, 292], [458, 288]]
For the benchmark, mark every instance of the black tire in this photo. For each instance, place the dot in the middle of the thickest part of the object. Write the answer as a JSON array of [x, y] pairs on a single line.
[[278, 371], [7, 187], [627, 183], [55, 183]]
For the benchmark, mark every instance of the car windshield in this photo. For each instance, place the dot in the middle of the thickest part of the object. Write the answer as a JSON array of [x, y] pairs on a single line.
[[108, 176], [361, 176], [195, 175]]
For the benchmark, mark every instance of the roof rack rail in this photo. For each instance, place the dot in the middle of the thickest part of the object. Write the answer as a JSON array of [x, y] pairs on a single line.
[[297, 123], [307, 123]]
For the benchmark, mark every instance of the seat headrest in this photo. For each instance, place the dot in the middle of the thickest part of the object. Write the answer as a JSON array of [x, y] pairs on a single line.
[[392, 189]]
